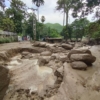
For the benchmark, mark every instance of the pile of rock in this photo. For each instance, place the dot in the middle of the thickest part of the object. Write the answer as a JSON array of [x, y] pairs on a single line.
[[80, 59]]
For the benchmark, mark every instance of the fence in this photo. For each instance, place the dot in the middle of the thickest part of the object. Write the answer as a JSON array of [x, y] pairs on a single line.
[[5, 33]]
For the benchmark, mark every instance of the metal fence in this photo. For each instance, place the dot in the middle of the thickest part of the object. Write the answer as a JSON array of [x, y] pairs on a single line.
[[7, 33]]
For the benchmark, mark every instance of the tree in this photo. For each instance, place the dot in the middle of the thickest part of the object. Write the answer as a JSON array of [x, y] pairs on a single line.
[[79, 26], [86, 8], [93, 29], [16, 12], [8, 25], [66, 6], [42, 19], [1, 17], [38, 3], [2, 3]]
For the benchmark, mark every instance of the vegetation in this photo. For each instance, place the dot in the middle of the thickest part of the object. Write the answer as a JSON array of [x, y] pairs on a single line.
[[17, 19], [7, 40], [56, 26]]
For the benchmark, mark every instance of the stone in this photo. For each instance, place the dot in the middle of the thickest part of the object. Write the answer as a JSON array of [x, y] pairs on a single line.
[[79, 51], [79, 65], [87, 58], [67, 46], [36, 44], [42, 44], [63, 58], [46, 53], [44, 60], [61, 70]]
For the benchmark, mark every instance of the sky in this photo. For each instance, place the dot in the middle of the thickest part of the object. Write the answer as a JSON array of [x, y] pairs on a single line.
[[49, 11]]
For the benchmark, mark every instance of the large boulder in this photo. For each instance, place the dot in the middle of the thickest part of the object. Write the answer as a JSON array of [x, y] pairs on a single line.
[[87, 58], [79, 65], [67, 46], [46, 53], [79, 51], [4, 81]]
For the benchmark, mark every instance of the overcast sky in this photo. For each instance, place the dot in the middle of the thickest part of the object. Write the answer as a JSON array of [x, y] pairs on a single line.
[[48, 10]]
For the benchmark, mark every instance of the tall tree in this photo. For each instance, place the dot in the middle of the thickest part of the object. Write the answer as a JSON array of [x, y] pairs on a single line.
[[79, 26], [2, 3], [16, 12], [66, 6], [87, 7], [38, 3], [42, 19]]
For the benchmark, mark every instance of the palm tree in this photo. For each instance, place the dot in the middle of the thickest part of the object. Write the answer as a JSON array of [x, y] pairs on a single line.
[[38, 3], [64, 5], [42, 19]]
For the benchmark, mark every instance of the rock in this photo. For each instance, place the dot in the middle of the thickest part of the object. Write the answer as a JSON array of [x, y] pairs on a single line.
[[63, 58], [79, 51], [46, 53], [36, 44], [4, 81], [42, 44], [79, 65], [87, 58], [67, 46], [61, 70], [43, 60]]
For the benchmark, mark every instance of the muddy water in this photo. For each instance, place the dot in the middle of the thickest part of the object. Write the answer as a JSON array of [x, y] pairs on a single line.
[[27, 74]]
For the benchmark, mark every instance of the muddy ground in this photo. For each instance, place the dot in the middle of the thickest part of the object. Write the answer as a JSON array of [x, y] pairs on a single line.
[[44, 72]]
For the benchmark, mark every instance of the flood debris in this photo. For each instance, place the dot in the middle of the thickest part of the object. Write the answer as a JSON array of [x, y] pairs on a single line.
[[50, 73]]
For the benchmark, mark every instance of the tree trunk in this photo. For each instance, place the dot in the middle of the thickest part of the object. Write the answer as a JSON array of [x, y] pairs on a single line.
[[66, 23], [64, 19]]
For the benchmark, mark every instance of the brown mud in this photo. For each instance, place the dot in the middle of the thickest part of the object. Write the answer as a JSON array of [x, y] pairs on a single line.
[[37, 77]]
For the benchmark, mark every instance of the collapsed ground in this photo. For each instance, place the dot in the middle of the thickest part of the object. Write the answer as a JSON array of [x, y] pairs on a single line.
[[43, 71]]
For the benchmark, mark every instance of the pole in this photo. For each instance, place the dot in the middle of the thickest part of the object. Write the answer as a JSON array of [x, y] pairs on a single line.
[[38, 14], [34, 27]]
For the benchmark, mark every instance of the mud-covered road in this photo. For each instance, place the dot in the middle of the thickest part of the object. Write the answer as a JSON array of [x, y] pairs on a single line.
[[43, 71]]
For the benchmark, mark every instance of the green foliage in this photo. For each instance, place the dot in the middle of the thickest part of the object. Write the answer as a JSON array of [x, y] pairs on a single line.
[[7, 25], [79, 27], [56, 26], [38, 2], [93, 29], [7, 39], [16, 12]]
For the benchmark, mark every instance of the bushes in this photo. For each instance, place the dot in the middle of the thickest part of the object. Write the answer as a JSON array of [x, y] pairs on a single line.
[[7, 39]]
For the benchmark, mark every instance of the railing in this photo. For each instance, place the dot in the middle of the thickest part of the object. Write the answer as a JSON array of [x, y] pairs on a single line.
[[7, 33]]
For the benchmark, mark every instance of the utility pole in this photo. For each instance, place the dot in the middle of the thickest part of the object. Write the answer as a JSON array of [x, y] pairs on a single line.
[[34, 24]]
